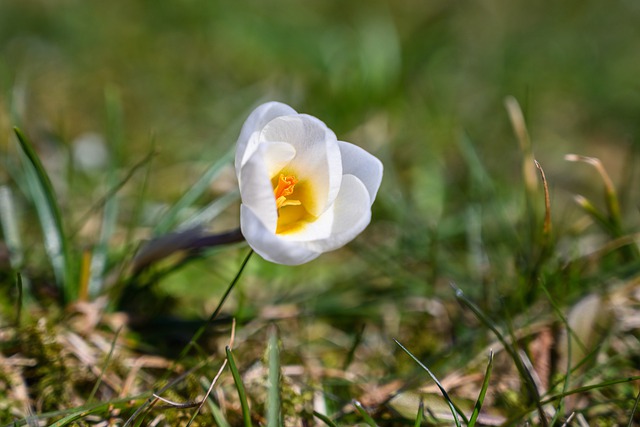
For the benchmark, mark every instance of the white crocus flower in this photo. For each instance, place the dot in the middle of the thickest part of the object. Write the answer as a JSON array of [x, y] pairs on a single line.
[[303, 191]]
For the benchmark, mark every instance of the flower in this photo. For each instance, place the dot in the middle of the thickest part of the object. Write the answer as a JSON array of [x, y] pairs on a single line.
[[303, 192]]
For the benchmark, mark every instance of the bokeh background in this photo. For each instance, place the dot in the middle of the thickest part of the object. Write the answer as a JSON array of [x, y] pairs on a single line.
[[420, 84], [407, 80]]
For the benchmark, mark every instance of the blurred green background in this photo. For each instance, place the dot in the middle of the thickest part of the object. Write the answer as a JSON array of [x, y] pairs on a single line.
[[189, 71], [421, 84]]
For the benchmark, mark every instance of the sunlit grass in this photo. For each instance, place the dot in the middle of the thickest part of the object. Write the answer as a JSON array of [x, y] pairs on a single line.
[[520, 300]]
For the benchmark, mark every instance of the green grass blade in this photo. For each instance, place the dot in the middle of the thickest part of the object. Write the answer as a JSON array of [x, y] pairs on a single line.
[[217, 414], [364, 414], [20, 292], [483, 392], [613, 218], [104, 367], [70, 418], [590, 387], [567, 376], [142, 418], [145, 407], [214, 315], [45, 200], [633, 410], [79, 412], [143, 163], [354, 346], [599, 218], [101, 249], [529, 177], [115, 140], [273, 393], [522, 370], [455, 411], [143, 187], [419, 415], [246, 414], [324, 419], [211, 211], [480, 177], [170, 219], [518, 415], [10, 227], [115, 124], [193, 340]]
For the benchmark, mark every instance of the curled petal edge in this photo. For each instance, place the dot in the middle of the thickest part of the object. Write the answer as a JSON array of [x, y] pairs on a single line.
[[351, 215], [365, 166], [257, 120], [268, 245]]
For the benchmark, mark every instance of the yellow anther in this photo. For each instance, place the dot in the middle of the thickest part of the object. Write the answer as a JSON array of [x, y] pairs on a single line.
[[284, 189]]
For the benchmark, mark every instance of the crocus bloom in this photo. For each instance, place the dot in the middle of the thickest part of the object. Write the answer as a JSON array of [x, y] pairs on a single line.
[[303, 192]]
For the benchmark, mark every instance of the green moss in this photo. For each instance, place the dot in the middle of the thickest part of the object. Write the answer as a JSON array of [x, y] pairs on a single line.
[[52, 378]]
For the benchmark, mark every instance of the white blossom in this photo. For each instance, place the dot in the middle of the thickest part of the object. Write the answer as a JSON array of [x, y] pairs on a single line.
[[303, 192]]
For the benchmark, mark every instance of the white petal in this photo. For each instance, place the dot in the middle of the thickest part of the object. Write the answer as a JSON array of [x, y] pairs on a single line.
[[366, 167], [256, 190], [319, 229], [248, 139], [270, 246], [317, 156], [277, 155], [351, 214]]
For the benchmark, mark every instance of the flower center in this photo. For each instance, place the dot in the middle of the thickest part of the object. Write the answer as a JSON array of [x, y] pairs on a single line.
[[284, 189], [292, 198]]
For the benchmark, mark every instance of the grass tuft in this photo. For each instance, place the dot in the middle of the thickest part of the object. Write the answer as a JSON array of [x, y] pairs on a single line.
[[456, 412], [45, 200], [121, 253]]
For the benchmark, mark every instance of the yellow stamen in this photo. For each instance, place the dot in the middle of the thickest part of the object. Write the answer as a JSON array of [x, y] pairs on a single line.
[[284, 189]]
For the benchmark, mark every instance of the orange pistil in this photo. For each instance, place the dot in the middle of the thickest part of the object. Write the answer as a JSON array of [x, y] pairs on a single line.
[[284, 189]]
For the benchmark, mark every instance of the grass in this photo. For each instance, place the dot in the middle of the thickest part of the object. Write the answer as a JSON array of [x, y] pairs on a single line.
[[502, 257]]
